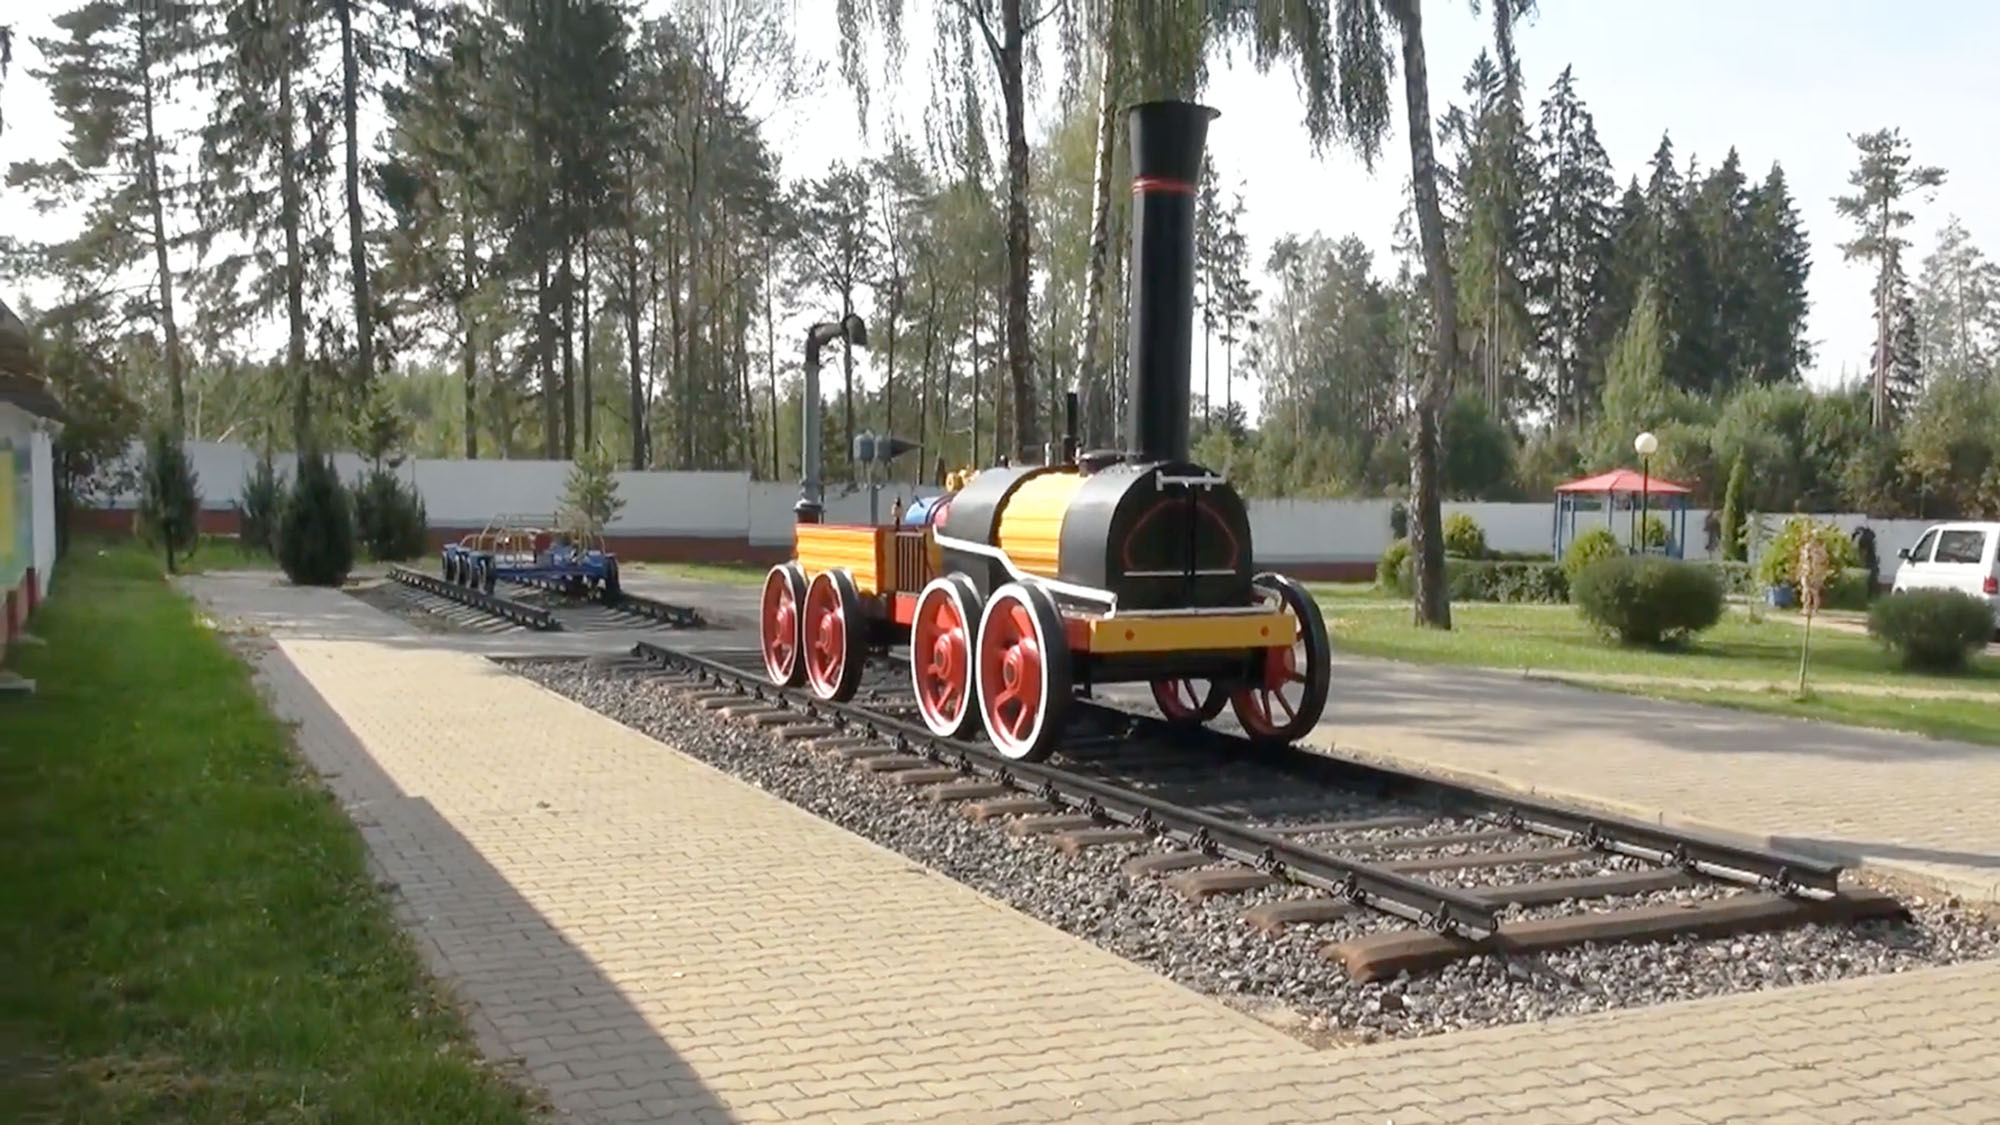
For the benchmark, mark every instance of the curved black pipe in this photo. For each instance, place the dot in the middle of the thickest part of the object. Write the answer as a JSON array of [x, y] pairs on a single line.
[[1167, 142]]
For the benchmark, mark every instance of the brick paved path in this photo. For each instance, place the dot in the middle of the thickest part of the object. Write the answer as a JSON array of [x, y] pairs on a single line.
[[657, 941]]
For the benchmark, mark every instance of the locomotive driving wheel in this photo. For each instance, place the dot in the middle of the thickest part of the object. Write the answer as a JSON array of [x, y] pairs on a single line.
[[835, 636], [1287, 702], [1189, 701], [1023, 672], [941, 655], [778, 621]]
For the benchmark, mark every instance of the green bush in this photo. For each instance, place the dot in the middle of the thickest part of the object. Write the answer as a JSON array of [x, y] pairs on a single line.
[[1648, 600], [263, 506], [1389, 568], [1935, 630], [390, 518], [169, 497], [1464, 537], [1486, 580], [1851, 588], [316, 533], [1778, 564], [1736, 578], [1592, 545]]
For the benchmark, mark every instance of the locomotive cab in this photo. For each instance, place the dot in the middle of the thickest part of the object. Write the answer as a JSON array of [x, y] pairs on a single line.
[[1026, 583]]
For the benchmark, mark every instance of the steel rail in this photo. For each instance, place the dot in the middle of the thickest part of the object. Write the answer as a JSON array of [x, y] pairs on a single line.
[[1691, 850], [639, 605], [1446, 910], [531, 616]]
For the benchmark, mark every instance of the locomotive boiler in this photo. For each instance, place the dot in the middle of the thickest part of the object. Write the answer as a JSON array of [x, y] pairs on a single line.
[[1023, 585]]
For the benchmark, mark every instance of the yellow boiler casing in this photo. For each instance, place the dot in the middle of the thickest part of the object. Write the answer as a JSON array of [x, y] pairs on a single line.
[[1031, 520]]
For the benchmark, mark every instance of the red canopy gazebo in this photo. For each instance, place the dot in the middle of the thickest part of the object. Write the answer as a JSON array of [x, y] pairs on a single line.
[[1573, 496]]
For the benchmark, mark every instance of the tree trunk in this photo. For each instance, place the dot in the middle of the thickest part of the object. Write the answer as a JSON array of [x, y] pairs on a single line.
[[589, 403], [357, 224], [465, 323], [771, 349], [634, 368], [295, 271], [1096, 383], [169, 327], [567, 280], [545, 366], [1020, 366], [1432, 605]]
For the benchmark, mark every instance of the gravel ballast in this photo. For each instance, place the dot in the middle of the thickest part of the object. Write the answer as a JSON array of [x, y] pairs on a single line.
[[1207, 946]]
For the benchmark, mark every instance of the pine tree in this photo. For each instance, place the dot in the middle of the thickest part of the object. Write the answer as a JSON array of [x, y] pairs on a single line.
[[590, 495], [1732, 511], [108, 79], [169, 496], [1882, 180], [1568, 227], [1958, 308], [1779, 261]]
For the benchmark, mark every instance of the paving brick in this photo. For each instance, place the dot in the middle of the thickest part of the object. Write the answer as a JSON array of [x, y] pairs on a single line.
[[658, 941]]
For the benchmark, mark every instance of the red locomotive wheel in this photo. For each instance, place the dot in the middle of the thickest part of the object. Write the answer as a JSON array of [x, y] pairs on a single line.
[[835, 635], [941, 655], [1289, 701], [1189, 701], [778, 621], [1023, 672]]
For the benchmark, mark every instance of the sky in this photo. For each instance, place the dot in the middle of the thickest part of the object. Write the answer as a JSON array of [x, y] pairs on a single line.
[[1780, 80]]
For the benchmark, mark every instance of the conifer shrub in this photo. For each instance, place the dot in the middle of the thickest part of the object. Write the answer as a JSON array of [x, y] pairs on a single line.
[[389, 517], [169, 497], [263, 506], [1932, 630], [1648, 600], [1464, 537], [316, 532], [1592, 545], [1389, 569]]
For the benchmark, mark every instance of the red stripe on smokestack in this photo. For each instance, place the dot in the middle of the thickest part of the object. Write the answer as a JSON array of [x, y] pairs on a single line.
[[1161, 183]]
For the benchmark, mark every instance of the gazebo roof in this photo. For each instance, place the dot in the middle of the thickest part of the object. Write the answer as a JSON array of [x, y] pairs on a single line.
[[1623, 480]]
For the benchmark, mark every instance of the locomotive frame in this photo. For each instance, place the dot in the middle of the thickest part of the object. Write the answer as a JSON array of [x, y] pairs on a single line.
[[1029, 584]]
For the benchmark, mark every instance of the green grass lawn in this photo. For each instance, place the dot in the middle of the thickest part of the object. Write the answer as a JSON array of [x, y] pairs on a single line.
[[1736, 663], [189, 929]]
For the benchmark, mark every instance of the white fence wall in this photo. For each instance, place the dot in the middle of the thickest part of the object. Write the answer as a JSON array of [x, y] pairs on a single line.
[[729, 505]]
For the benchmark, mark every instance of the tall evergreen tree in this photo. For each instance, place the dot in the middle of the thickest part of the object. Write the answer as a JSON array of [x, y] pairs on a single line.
[[1882, 179], [1958, 308], [117, 64], [1778, 260], [1568, 230]]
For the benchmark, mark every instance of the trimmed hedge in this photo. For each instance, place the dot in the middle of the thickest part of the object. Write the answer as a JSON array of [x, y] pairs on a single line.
[[1488, 580], [1933, 630], [1649, 600]]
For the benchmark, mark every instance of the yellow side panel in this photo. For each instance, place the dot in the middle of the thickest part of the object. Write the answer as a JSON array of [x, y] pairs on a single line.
[[864, 551], [1192, 633], [1030, 528]]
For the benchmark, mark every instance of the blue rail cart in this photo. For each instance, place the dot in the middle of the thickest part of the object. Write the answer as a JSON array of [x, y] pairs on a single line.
[[532, 551]]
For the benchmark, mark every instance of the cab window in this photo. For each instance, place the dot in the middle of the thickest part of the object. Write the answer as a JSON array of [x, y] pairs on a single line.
[[1961, 547], [1922, 551]]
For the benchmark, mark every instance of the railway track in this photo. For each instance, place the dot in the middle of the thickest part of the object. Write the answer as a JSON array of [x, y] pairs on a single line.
[[1410, 873], [544, 609]]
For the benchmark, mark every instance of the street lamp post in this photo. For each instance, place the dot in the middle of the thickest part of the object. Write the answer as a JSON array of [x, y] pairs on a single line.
[[1645, 445]]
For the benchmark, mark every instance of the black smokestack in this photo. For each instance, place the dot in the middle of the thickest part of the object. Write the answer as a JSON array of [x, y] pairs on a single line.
[[1167, 140]]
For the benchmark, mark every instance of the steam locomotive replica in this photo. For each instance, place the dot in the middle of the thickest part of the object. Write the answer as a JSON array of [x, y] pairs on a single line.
[[1024, 585]]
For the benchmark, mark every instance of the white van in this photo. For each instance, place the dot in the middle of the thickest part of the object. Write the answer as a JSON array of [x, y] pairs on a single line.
[[1954, 556]]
